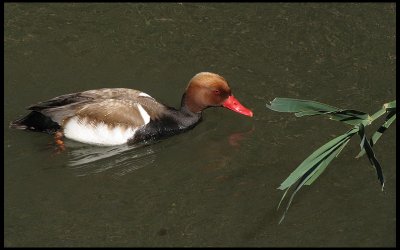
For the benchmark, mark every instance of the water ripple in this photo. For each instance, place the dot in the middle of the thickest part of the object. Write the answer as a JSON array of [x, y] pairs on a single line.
[[117, 160]]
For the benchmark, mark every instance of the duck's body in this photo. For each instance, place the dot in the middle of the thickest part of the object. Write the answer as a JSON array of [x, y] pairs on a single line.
[[113, 116]]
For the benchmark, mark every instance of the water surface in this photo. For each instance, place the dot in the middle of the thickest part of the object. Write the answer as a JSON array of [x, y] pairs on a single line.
[[215, 185]]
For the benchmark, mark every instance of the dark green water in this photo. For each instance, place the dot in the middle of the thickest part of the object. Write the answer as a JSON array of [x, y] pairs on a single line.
[[215, 185]]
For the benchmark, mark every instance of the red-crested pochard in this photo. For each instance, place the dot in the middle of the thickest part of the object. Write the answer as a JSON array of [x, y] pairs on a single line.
[[113, 116]]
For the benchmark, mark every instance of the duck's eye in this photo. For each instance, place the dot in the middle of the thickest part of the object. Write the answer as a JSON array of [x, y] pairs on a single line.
[[217, 92]]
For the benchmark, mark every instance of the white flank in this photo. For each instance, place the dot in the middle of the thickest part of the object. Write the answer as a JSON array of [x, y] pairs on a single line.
[[99, 134], [145, 95], [144, 114]]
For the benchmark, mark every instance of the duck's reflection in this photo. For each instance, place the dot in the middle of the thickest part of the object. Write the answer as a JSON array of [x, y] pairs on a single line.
[[120, 160], [117, 160], [236, 138]]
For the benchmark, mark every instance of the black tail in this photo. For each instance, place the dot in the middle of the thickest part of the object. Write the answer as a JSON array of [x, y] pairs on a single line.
[[36, 121]]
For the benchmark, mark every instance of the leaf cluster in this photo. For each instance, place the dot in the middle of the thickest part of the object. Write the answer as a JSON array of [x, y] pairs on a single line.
[[315, 164]]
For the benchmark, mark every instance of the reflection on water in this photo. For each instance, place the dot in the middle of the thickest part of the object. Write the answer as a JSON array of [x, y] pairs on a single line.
[[117, 160], [236, 138], [120, 160], [211, 186]]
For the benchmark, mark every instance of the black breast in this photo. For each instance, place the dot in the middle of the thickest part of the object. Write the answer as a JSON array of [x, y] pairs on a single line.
[[171, 123]]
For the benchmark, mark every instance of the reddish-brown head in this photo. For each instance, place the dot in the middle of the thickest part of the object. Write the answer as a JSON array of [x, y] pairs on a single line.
[[211, 90]]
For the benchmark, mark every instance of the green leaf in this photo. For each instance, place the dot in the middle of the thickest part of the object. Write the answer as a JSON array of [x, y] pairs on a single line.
[[371, 155], [325, 163], [387, 107], [390, 105], [315, 164], [304, 179], [296, 105], [315, 157], [375, 137], [283, 196], [312, 174], [352, 117], [311, 108]]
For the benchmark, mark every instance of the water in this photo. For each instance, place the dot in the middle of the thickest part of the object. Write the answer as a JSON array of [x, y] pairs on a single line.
[[215, 185]]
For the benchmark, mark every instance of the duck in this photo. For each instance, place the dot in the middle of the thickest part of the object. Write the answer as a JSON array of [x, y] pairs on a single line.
[[116, 116]]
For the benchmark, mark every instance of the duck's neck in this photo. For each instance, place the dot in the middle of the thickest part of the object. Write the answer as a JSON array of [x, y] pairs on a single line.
[[186, 118], [173, 122], [189, 105]]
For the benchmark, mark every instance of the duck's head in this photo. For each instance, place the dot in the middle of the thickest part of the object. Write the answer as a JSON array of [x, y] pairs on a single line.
[[211, 90]]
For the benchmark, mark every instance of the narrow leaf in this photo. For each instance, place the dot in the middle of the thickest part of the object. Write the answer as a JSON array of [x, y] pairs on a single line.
[[311, 108], [313, 172], [296, 105], [283, 196], [315, 157], [387, 107], [371, 155], [390, 105], [300, 184], [325, 163], [375, 137]]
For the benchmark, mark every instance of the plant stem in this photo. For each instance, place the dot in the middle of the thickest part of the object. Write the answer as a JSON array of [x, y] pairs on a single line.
[[378, 114]]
